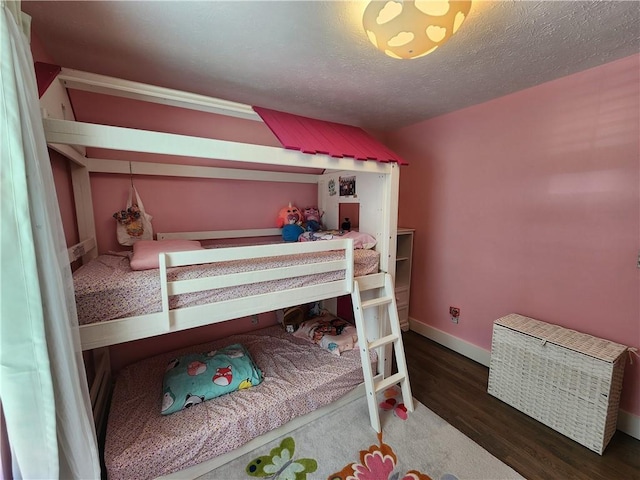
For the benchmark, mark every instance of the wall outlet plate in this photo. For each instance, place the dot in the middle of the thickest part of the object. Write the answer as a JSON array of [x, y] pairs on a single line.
[[454, 312]]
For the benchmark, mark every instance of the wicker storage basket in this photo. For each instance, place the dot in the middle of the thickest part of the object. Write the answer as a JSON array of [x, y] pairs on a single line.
[[569, 381]]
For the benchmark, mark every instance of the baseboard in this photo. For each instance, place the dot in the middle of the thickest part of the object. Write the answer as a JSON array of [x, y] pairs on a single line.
[[462, 347], [627, 422]]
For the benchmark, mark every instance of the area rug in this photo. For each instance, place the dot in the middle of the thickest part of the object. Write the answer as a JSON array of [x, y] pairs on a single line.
[[416, 445]]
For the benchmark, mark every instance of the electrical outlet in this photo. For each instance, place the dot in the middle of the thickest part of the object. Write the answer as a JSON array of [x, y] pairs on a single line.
[[454, 312], [254, 319]]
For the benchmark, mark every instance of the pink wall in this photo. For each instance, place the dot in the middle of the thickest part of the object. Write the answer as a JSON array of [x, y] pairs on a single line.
[[180, 204], [124, 354], [530, 203]]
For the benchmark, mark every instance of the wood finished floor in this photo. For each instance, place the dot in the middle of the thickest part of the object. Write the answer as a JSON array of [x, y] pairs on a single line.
[[455, 388]]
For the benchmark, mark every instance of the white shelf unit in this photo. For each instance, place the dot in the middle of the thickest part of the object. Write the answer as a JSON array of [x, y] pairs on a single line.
[[404, 252]]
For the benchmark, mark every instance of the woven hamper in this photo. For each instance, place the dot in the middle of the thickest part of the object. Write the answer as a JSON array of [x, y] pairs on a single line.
[[569, 381]]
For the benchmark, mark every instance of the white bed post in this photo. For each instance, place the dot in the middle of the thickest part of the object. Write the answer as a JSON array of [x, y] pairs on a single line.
[[390, 213], [55, 104], [84, 207], [388, 254], [164, 289]]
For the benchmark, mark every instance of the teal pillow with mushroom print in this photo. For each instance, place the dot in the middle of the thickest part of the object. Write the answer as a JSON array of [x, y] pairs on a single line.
[[198, 377]]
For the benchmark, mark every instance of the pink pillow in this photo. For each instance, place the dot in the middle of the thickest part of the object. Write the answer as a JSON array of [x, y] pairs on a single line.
[[145, 252], [361, 239]]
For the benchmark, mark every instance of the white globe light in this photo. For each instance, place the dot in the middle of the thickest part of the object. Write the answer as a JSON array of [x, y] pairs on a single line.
[[412, 29]]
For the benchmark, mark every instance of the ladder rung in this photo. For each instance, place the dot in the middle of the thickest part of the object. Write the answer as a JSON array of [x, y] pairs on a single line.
[[387, 382], [383, 341], [376, 302]]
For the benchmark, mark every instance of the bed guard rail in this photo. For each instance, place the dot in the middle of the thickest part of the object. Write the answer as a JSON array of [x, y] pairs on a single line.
[[175, 319]]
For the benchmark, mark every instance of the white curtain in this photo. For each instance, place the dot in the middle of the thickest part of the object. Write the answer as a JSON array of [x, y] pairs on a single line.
[[43, 387]]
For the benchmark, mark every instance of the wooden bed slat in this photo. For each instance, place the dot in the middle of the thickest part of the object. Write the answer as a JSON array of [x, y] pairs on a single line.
[[133, 328], [213, 255], [178, 287], [120, 138], [221, 234], [194, 171], [122, 330], [93, 82], [189, 317]]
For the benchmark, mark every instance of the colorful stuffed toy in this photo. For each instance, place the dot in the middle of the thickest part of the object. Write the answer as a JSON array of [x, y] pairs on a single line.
[[290, 220], [289, 215], [312, 218]]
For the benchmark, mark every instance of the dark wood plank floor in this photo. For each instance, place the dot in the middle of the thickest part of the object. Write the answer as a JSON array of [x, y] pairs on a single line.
[[455, 388]]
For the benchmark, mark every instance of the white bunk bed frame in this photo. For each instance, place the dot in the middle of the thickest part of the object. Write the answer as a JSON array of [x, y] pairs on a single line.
[[377, 189]]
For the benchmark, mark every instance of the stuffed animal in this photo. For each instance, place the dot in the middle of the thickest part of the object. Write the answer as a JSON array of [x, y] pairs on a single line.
[[290, 220], [289, 215], [290, 233], [312, 218]]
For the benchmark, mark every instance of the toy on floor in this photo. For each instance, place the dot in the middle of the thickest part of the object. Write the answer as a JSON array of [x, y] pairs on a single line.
[[391, 403], [290, 220]]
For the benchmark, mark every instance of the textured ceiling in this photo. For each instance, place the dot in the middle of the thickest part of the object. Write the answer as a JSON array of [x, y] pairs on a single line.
[[312, 58]]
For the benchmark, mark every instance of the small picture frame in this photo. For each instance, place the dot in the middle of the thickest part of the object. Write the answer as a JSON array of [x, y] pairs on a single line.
[[332, 187], [347, 186]]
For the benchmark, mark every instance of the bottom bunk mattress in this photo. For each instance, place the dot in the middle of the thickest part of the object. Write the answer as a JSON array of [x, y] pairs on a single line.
[[298, 377]]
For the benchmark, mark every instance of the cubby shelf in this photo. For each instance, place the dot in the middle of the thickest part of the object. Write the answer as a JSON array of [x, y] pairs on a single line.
[[404, 253]]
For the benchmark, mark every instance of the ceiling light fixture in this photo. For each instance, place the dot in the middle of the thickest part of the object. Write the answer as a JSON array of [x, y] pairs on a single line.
[[412, 29]]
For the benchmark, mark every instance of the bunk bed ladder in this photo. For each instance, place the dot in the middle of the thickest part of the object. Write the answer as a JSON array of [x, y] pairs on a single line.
[[395, 338]]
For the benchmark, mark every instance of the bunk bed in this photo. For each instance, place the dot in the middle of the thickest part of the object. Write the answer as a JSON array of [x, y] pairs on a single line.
[[331, 263]]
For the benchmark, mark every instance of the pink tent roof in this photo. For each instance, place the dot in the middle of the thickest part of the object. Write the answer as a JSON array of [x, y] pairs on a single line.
[[317, 136]]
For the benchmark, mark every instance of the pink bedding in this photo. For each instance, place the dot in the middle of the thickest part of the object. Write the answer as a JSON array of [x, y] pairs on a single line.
[[106, 288], [298, 377]]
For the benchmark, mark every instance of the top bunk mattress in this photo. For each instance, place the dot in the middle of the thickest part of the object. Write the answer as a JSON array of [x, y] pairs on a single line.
[[107, 289], [299, 377]]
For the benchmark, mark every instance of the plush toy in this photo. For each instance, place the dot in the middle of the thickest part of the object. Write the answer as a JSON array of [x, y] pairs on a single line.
[[289, 215], [312, 218], [290, 220], [290, 233]]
